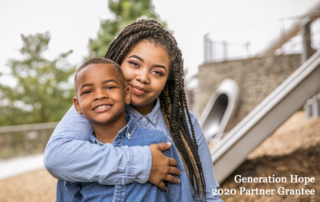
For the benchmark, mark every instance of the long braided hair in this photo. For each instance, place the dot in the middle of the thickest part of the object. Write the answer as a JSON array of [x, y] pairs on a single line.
[[172, 98]]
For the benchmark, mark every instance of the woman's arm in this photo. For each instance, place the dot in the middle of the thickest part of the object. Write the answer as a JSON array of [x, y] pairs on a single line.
[[70, 156], [206, 161]]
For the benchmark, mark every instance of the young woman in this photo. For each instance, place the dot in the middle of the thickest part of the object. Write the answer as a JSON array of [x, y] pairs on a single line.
[[153, 67]]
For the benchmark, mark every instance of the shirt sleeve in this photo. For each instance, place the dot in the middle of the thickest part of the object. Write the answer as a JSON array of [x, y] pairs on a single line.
[[70, 156], [206, 161]]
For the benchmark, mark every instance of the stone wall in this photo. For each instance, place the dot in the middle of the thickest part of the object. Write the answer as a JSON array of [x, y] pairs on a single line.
[[256, 78]]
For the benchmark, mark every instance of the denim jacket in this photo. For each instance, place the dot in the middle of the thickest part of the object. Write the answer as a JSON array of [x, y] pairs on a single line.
[[70, 156], [130, 135]]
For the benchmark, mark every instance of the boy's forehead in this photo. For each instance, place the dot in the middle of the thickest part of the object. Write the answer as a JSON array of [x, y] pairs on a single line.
[[94, 71]]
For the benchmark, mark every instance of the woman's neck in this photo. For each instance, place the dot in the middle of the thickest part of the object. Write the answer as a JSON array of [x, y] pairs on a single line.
[[146, 109]]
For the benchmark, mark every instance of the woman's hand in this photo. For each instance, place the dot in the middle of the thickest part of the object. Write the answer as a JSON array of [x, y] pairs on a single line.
[[162, 167]]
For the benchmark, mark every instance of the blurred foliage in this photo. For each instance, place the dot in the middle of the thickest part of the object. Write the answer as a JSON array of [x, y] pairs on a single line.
[[125, 12], [42, 93]]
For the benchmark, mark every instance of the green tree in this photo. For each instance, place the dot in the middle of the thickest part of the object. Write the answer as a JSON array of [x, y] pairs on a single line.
[[42, 92], [125, 12]]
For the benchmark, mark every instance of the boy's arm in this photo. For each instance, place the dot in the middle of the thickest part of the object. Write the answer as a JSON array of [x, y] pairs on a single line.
[[70, 156]]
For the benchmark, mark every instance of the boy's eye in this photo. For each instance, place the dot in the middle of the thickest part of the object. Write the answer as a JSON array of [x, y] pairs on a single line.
[[87, 91], [109, 87]]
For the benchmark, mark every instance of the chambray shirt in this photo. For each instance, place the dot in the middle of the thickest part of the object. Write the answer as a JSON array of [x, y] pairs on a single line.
[[70, 156], [130, 136]]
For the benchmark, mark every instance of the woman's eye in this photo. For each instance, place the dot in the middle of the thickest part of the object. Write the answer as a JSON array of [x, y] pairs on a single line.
[[158, 72], [134, 63]]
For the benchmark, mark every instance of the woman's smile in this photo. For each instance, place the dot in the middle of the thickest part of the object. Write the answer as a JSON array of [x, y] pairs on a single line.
[[138, 90]]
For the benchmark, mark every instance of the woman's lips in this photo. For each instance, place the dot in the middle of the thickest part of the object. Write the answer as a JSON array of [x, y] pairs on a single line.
[[137, 90]]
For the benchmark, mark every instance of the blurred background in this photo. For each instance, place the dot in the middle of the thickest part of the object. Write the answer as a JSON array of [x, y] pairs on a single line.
[[247, 47]]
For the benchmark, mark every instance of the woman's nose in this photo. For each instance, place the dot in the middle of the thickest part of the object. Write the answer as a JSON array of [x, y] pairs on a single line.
[[143, 76]]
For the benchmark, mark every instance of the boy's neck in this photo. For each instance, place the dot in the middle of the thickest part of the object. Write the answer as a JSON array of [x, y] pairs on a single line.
[[106, 132]]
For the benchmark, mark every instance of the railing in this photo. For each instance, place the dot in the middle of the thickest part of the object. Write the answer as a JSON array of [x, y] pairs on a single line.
[[24, 139], [221, 46]]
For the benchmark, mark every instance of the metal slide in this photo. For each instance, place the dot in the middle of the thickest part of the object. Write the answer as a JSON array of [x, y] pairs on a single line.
[[262, 121], [219, 109]]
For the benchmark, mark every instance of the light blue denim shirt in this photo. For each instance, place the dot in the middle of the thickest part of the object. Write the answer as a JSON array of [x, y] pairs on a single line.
[[70, 156], [130, 136]]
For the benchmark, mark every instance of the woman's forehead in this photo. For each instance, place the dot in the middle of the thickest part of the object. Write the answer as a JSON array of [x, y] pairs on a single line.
[[149, 51]]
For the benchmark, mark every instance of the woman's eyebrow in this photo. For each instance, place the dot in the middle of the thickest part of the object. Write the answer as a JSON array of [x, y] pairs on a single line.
[[156, 65], [161, 66], [137, 57]]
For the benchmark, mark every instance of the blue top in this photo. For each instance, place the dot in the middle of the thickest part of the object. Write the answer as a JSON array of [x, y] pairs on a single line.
[[70, 156], [130, 136]]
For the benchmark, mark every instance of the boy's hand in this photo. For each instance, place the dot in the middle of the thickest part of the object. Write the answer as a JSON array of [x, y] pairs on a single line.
[[162, 167]]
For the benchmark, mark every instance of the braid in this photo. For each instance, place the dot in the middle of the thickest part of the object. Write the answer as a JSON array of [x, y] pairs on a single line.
[[172, 98]]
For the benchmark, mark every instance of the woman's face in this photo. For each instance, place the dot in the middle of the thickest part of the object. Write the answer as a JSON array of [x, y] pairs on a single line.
[[146, 69]]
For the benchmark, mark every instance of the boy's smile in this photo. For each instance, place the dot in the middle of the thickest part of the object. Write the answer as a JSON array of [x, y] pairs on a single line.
[[100, 94]]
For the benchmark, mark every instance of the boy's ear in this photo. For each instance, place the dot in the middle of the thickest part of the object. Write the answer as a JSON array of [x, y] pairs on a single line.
[[77, 105], [127, 95]]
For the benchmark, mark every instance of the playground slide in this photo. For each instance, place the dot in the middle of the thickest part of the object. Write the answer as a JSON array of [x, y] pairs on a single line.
[[286, 99], [219, 109]]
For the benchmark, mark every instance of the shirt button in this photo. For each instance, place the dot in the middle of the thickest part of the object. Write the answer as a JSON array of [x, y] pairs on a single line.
[[143, 119], [129, 135]]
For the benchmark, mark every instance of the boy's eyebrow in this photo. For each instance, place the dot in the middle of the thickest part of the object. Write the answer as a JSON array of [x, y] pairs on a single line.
[[85, 85], [110, 80], [106, 81], [156, 65]]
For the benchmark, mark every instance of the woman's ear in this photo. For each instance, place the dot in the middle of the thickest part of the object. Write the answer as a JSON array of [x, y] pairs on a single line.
[[127, 95], [77, 105]]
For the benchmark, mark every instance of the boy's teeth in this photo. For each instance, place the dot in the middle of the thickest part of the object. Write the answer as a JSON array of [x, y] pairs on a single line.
[[102, 106]]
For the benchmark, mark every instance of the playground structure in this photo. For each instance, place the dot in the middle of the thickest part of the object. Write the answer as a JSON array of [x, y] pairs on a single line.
[[233, 148], [219, 109], [264, 119]]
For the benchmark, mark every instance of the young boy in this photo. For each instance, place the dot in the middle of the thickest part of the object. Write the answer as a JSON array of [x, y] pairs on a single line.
[[101, 97]]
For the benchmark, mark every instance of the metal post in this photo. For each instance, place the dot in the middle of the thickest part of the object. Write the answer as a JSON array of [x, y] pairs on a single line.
[[43, 137], [225, 50], [315, 107], [25, 143], [247, 46], [205, 46], [7, 145], [307, 50], [307, 109]]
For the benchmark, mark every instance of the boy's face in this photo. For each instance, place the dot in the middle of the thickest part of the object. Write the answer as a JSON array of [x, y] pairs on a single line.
[[101, 94]]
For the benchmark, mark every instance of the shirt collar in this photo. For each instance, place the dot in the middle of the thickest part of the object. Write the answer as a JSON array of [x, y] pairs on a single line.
[[152, 116], [128, 131]]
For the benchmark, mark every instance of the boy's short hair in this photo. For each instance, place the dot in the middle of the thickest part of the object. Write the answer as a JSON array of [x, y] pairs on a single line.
[[97, 60]]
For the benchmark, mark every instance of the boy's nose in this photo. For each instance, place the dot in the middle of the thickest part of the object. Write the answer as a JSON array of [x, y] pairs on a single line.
[[100, 96]]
